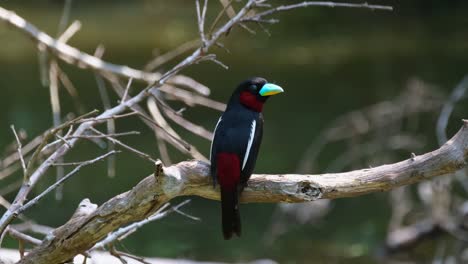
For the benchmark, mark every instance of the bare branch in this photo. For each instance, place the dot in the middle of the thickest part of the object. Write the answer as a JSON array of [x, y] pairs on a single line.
[[227, 8], [21, 236], [192, 178], [9, 171], [10, 256], [11, 187], [20, 153], [170, 55], [447, 110], [258, 17], [14, 157], [65, 16], [70, 31], [125, 231], [72, 55], [164, 135], [187, 82], [127, 89], [191, 127], [191, 99], [129, 133], [56, 114], [62, 180], [33, 227], [125, 146], [71, 89], [212, 57], [107, 105], [162, 147], [102, 119], [201, 20]]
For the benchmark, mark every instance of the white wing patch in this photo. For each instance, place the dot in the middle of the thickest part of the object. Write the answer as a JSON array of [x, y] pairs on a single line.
[[249, 144], [214, 133]]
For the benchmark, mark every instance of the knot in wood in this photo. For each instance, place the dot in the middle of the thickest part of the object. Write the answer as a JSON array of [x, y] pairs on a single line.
[[310, 190]]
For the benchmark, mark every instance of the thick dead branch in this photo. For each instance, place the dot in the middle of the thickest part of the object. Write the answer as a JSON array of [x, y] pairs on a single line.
[[9, 256], [192, 178]]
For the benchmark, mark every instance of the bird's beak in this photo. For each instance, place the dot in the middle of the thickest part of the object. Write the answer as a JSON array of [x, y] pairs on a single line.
[[270, 89]]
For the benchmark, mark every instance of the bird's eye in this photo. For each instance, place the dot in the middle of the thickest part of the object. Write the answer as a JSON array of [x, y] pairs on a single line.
[[253, 88]]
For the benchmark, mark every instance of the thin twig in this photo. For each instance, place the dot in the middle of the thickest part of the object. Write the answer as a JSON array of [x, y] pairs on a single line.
[[170, 55], [212, 57], [129, 133], [65, 16], [71, 89], [11, 187], [163, 152], [189, 126], [62, 180], [182, 146], [201, 20], [70, 31], [127, 89], [20, 153], [125, 146], [191, 99], [9, 171], [14, 157], [128, 255], [457, 94], [187, 82], [282, 8], [21, 236], [168, 131], [42, 59], [116, 254], [227, 7], [56, 113], [33, 227], [107, 105], [101, 119], [111, 238]]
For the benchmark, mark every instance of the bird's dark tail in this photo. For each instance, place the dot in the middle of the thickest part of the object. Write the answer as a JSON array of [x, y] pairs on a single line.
[[230, 213]]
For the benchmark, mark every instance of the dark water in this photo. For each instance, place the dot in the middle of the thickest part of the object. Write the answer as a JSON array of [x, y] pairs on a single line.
[[330, 61]]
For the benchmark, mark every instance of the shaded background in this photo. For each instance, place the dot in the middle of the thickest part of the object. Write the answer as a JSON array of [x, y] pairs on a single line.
[[330, 62]]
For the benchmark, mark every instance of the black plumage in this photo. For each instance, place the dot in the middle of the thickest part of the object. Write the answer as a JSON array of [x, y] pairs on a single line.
[[235, 146]]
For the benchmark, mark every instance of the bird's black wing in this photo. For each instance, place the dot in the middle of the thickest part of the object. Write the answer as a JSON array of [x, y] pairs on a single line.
[[232, 135], [213, 151], [251, 159]]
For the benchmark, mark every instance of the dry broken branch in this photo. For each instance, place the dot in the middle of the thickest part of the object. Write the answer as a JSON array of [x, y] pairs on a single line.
[[192, 178]]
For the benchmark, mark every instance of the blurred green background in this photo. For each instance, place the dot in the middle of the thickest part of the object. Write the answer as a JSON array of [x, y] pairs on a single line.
[[329, 61]]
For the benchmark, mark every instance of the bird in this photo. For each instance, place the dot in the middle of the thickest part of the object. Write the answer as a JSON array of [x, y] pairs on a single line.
[[236, 142]]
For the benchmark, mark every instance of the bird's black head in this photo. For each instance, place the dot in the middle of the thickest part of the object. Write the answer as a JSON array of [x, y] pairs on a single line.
[[254, 92]]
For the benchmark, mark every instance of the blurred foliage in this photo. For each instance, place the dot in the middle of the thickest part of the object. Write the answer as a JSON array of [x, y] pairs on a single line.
[[329, 60]]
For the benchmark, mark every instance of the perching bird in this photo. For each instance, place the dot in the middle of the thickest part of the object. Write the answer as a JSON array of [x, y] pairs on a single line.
[[235, 146]]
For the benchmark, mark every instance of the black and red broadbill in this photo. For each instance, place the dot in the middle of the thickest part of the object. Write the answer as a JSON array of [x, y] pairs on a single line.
[[235, 146]]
